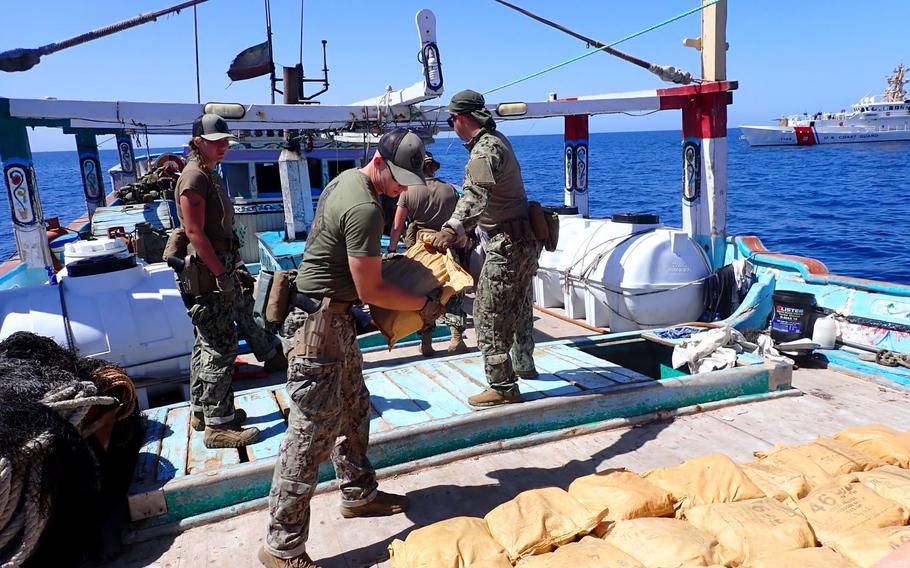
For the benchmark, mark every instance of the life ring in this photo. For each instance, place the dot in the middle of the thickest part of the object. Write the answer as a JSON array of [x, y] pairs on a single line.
[[170, 162]]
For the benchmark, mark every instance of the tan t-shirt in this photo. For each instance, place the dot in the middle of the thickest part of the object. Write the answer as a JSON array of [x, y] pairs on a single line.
[[219, 212], [348, 222], [429, 206]]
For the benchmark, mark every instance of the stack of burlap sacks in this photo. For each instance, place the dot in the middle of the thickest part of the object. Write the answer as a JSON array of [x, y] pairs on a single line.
[[833, 503]]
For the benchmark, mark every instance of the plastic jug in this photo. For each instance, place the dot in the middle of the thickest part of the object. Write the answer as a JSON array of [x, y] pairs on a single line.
[[825, 332]]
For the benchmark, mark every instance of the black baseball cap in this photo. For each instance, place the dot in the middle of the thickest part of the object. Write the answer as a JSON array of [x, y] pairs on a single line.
[[212, 127], [403, 151]]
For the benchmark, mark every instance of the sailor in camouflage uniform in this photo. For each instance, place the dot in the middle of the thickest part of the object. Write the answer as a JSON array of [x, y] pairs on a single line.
[[330, 410], [494, 200], [207, 217]]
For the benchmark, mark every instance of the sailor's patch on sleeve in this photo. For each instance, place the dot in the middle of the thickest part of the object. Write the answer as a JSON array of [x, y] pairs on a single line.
[[480, 172]]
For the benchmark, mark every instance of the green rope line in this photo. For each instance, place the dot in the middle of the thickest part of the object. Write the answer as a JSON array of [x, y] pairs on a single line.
[[599, 49]]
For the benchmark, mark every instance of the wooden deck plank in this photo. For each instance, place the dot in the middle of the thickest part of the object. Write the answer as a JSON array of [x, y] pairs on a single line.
[[264, 413], [548, 363], [175, 444], [393, 404], [153, 421], [448, 376], [438, 403], [201, 459], [283, 400], [589, 361], [541, 386]]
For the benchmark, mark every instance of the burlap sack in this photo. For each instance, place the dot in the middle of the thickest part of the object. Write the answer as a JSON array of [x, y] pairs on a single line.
[[787, 486], [703, 481], [498, 561], [837, 509], [878, 441], [890, 482], [590, 552], [819, 460], [453, 543], [620, 495], [746, 529], [662, 542], [536, 521], [822, 557], [867, 547], [418, 271]]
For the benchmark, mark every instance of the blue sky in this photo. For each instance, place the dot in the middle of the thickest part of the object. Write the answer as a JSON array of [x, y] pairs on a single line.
[[788, 57]]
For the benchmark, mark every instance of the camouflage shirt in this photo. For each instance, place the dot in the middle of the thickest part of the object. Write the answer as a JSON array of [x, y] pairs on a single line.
[[493, 191]]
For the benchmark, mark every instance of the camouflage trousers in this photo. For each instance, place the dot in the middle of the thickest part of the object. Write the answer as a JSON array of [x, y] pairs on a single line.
[[212, 359], [503, 309], [455, 316], [329, 418]]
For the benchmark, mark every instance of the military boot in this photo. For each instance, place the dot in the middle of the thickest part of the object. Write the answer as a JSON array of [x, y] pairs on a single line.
[[532, 374], [426, 343], [198, 421], [277, 363], [229, 435], [382, 505], [457, 344], [493, 397], [271, 561]]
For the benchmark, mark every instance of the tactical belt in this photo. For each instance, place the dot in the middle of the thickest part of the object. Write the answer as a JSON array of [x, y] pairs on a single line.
[[310, 304], [518, 229]]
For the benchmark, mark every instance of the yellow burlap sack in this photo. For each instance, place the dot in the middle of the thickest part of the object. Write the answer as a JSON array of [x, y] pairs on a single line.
[[453, 543], [839, 508], [867, 547], [418, 271], [785, 485], [746, 529], [590, 552], [822, 557], [703, 481], [890, 482], [536, 521], [498, 561], [879, 441], [819, 460], [620, 495], [662, 542]]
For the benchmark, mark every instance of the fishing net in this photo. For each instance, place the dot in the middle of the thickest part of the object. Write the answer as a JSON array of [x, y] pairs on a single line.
[[53, 407]]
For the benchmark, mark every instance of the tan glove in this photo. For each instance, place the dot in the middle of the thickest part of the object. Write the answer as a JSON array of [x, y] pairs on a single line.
[[246, 280], [225, 284], [432, 310], [443, 239]]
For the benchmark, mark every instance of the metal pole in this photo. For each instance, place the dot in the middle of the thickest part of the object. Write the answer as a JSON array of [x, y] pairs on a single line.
[[196, 38], [22, 192], [268, 32]]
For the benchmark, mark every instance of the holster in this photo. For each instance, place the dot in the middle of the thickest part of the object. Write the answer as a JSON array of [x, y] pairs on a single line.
[[545, 224], [315, 340], [177, 244], [518, 229]]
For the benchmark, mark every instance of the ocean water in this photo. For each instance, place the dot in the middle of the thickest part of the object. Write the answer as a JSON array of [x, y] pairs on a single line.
[[845, 205]]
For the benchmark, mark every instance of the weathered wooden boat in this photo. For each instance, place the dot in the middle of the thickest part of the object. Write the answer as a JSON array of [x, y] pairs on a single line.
[[602, 399]]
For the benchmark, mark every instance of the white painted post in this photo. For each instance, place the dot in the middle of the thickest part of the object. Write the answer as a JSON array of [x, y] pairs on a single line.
[[295, 192]]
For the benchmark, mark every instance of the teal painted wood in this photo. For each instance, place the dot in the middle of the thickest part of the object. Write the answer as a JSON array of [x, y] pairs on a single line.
[[281, 397], [545, 385], [393, 404], [201, 459], [897, 376], [174, 445], [548, 363], [153, 423], [574, 366], [591, 362], [436, 402], [262, 411], [472, 366], [447, 376]]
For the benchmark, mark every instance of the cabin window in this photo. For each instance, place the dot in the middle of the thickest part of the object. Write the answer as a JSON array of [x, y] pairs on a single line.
[[314, 167], [338, 166], [268, 181], [237, 178]]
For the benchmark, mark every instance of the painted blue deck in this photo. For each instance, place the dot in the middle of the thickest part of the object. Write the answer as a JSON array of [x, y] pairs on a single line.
[[426, 402]]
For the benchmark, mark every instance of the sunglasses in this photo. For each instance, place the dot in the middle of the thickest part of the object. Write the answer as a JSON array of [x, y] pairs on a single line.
[[451, 120]]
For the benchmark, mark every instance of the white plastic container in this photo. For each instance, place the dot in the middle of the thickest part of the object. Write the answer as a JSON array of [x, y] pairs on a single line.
[[81, 250], [825, 332]]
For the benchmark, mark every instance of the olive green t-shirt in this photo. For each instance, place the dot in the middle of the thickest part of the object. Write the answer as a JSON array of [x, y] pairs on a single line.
[[348, 222], [219, 212], [431, 205]]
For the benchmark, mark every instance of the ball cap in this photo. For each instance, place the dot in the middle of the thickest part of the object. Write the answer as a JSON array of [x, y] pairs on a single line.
[[403, 151], [212, 127]]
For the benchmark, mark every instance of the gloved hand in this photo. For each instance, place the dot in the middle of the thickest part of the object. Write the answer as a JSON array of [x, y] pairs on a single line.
[[443, 239], [432, 310], [225, 284], [246, 280]]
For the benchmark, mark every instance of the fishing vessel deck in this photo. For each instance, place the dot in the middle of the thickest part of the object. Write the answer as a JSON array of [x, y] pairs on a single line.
[[473, 485]]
